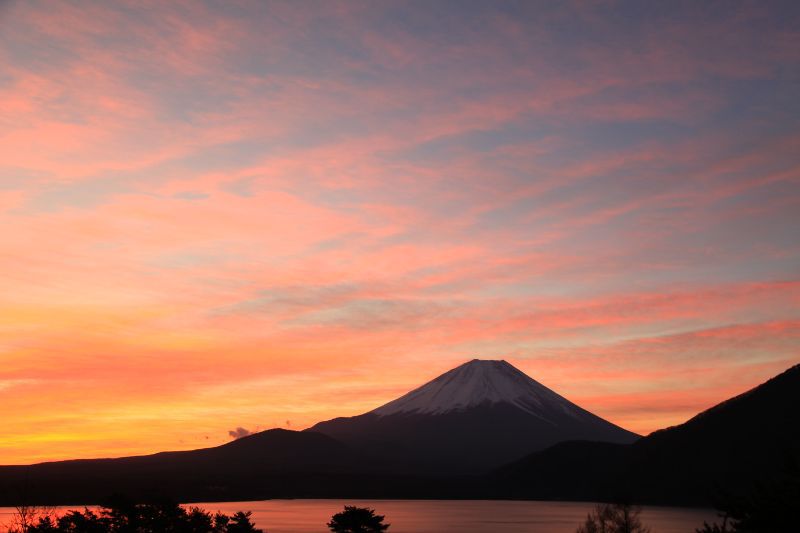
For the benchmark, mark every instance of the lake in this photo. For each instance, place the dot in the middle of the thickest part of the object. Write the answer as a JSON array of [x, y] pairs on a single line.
[[447, 516]]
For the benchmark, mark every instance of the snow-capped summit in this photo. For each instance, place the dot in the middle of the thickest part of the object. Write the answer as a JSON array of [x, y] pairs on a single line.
[[479, 382], [477, 416]]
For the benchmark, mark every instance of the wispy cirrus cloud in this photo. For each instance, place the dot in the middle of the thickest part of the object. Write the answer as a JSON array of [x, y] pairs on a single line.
[[340, 202]]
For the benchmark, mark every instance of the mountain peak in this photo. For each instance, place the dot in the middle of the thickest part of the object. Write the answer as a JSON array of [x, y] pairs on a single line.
[[480, 414], [485, 362], [476, 382]]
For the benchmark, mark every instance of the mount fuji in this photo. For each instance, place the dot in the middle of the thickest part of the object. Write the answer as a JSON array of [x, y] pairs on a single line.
[[472, 418], [477, 418]]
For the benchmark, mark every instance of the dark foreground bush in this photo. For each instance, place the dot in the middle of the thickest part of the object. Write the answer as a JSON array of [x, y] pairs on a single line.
[[357, 520], [613, 518], [141, 518], [769, 506]]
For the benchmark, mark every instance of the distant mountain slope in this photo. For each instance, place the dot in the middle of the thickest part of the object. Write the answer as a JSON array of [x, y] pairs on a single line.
[[266, 464], [751, 437], [473, 418]]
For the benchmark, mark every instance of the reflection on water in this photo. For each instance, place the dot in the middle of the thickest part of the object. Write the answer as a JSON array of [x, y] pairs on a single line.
[[452, 516], [445, 516]]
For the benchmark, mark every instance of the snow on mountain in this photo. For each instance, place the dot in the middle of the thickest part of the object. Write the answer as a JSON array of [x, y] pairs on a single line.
[[475, 417], [480, 382]]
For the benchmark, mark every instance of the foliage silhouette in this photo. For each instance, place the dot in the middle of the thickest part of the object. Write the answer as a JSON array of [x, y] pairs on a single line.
[[25, 516], [357, 520], [770, 506], [613, 518], [124, 517]]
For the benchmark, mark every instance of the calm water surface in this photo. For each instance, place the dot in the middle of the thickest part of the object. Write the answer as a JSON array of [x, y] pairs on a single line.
[[447, 516]]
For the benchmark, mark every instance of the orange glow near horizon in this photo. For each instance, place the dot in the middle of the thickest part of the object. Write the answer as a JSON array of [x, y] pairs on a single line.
[[268, 215]]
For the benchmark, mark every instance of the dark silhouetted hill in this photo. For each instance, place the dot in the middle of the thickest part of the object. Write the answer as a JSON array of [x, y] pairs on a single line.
[[742, 441], [266, 464]]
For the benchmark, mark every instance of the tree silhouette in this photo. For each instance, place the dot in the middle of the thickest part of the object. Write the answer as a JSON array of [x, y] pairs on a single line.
[[613, 518], [769, 506], [357, 520], [240, 523], [122, 517], [26, 516]]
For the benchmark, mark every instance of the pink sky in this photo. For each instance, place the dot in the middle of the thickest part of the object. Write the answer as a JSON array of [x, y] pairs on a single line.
[[269, 214]]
